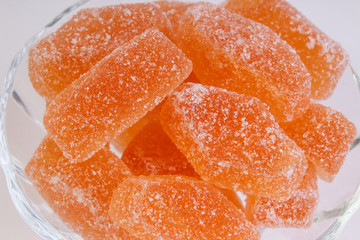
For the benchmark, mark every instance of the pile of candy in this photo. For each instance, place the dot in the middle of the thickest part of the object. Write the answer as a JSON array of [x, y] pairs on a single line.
[[202, 101]]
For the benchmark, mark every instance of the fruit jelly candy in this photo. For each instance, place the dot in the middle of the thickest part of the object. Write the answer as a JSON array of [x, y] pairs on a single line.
[[233, 141], [238, 54], [90, 35], [79, 193], [325, 135], [323, 57], [152, 152], [115, 94], [298, 211], [177, 208]]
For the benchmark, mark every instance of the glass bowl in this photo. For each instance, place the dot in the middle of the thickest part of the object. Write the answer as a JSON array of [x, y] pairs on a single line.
[[21, 111]]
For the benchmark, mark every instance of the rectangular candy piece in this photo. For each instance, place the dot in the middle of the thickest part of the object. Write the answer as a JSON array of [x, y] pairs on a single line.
[[115, 94], [325, 135], [177, 208], [79, 193], [233, 141], [90, 35], [323, 57], [298, 211], [238, 54]]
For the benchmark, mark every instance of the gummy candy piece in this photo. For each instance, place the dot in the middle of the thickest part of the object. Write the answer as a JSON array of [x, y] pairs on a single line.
[[79, 193], [233, 141], [238, 54], [298, 211], [152, 152], [90, 35], [115, 94], [233, 197], [325, 135], [323, 57], [177, 208]]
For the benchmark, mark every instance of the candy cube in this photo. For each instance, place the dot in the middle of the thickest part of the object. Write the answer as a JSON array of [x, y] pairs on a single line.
[[79, 193], [177, 208], [233, 141], [324, 58], [298, 211], [238, 54], [117, 92], [90, 35], [325, 135]]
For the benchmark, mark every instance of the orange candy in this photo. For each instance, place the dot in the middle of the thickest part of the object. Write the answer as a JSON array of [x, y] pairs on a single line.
[[298, 211], [115, 94], [325, 135], [177, 208], [238, 54], [152, 152], [323, 57], [233, 141], [63, 56], [79, 193]]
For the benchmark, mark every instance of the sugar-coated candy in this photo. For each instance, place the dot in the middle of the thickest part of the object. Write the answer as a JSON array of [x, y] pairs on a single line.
[[90, 35], [325, 135], [152, 152], [233, 141], [238, 54], [79, 193], [177, 208], [324, 58], [117, 92], [298, 211]]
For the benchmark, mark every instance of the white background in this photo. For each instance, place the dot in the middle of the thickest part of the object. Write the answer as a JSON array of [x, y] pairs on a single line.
[[19, 19]]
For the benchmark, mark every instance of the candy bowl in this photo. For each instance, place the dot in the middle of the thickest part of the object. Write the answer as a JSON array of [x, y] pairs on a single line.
[[21, 119]]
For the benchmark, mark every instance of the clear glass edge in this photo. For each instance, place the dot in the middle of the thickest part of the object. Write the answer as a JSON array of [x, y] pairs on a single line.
[[343, 212]]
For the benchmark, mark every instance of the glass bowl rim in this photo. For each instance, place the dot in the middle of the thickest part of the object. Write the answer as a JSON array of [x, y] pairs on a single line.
[[43, 228]]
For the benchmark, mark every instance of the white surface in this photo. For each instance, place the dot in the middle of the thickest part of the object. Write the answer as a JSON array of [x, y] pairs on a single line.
[[19, 19]]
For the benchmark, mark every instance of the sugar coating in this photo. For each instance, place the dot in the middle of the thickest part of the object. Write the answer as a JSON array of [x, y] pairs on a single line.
[[177, 208], [298, 211], [233, 141], [115, 94], [79, 193], [238, 54], [152, 152], [325, 135], [90, 35], [324, 58]]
